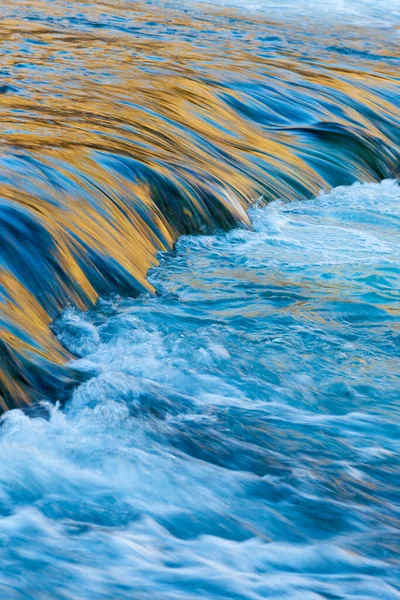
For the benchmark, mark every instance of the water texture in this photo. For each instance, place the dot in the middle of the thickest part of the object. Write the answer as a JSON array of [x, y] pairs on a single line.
[[237, 435], [125, 124], [199, 300]]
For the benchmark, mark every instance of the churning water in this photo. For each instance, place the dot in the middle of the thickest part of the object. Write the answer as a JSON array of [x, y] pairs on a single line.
[[237, 435], [199, 300]]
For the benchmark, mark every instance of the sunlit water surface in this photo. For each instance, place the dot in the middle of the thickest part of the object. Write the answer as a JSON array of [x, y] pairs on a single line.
[[125, 124], [216, 419]]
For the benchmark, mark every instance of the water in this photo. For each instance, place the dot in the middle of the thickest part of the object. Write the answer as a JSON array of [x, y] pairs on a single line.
[[382, 13], [236, 436], [199, 307], [127, 124]]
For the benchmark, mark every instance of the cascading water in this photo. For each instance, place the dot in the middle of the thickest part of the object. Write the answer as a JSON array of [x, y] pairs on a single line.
[[214, 415], [236, 435], [125, 125]]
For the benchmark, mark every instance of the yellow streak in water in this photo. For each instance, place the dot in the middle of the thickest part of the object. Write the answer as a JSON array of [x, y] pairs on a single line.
[[161, 100]]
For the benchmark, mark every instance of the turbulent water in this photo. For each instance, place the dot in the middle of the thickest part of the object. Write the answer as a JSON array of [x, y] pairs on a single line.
[[125, 124], [237, 436], [199, 300]]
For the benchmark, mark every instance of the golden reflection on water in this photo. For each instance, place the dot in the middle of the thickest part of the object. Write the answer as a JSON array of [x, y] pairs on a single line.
[[159, 85]]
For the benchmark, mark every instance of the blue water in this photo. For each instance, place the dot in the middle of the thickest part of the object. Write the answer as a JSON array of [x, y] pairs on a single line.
[[236, 436], [384, 13]]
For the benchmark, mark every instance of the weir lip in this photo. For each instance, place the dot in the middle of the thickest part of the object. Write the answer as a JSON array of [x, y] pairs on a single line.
[[117, 137]]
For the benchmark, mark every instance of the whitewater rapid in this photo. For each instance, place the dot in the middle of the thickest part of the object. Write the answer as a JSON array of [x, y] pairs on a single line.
[[234, 436]]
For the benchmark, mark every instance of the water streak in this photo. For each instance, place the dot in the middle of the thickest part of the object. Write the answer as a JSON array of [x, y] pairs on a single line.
[[126, 124]]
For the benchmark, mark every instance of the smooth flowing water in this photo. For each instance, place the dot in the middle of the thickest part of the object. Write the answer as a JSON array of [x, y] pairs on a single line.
[[200, 309]]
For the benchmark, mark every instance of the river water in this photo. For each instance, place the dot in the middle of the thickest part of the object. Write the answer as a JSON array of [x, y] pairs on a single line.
[[199, 300]]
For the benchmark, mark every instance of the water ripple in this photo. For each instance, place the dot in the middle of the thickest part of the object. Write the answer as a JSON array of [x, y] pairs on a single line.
[[125, 125]]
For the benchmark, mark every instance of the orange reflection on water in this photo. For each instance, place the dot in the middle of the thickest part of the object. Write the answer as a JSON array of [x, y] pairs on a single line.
[[200, 98]]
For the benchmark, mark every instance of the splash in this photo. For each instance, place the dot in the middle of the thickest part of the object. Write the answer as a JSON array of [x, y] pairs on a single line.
[[237, 435], [125, 125]]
